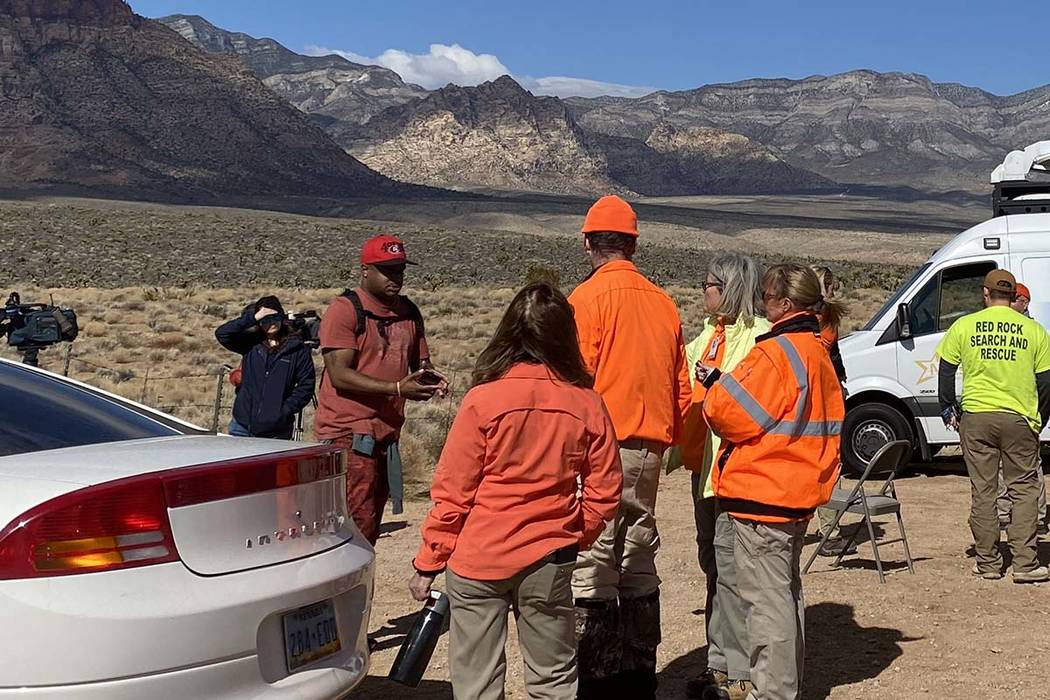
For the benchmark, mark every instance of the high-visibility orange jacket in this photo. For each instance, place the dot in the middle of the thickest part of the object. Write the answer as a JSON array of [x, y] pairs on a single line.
[[531, 465], [780, 415], [631, 340]]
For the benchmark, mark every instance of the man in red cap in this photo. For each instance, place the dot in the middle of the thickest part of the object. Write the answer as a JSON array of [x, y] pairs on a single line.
[[630, 335], [375, 358]]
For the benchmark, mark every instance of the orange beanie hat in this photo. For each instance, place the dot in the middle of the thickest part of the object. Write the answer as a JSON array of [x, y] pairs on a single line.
[[610, 214]]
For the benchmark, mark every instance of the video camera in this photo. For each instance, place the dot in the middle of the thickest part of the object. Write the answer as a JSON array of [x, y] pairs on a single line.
[[32, 327], [308, 325]]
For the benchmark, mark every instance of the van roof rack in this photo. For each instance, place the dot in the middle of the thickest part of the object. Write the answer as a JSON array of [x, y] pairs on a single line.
[[1018, 187]]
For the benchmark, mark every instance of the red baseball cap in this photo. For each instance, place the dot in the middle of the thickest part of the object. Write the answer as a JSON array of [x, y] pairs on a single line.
[[384, 249], [1022, 291]]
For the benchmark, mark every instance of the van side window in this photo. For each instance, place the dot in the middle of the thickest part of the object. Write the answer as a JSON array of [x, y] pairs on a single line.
[[948, 295]]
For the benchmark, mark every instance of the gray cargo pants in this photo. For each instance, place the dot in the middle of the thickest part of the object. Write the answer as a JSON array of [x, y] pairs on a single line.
[[728, 649], [767, 563]]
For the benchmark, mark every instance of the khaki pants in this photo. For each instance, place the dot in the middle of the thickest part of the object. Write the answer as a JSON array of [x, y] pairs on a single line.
[[1003, 506], [622, 563], [728, 648], [767, 562], [541, 599], [987, 440]]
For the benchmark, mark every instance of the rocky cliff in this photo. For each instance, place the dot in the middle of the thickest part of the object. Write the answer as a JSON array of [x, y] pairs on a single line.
[[498, 135], [95, 96], [858, 127], [331, 88]]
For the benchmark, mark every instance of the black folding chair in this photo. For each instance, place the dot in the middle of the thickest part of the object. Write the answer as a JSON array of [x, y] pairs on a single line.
[[890, 458]]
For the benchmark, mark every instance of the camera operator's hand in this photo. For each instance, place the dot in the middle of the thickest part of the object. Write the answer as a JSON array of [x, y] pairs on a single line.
[[414, 388], [264, 312]]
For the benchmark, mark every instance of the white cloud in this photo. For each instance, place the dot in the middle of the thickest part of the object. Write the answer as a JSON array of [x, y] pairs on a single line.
[[442, 65], [562, 86], [445, 64]]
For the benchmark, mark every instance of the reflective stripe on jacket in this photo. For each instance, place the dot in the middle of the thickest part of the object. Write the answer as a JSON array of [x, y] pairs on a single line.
[[780, 415]]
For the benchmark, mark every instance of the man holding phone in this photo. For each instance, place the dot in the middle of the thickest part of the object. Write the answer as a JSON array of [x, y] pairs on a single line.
[[375, 358]]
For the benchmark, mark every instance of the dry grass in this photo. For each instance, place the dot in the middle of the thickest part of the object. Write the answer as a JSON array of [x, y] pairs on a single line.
[[157, 345]]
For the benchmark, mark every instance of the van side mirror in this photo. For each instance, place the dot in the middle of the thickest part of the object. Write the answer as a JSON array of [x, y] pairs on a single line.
[[903, 321]]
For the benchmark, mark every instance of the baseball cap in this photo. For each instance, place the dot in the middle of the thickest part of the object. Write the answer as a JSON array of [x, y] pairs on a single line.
[[1000, 281], [384, 249], [610, 214], [1022, 291]]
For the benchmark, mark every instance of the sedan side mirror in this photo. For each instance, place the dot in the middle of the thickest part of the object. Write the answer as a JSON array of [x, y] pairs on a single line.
[[903, 321]]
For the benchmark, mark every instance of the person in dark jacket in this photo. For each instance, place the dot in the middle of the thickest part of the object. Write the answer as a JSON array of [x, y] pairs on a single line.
[[277, 370]]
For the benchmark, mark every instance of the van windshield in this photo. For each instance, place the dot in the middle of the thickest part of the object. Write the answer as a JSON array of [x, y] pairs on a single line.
[[895, 299]]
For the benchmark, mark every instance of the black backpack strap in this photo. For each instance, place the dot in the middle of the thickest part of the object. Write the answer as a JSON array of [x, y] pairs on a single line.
[[359, 310], [416, 315]]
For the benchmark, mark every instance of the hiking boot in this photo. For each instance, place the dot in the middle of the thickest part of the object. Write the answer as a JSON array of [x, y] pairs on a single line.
[[989, 575], [730, 690], [1036, 575], [834, 545], [711, 678]]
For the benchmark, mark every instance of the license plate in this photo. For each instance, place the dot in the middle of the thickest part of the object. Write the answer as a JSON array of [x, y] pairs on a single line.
[[310, 634]]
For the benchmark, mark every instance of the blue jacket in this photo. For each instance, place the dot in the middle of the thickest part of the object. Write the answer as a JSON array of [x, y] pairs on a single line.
[[274, 386]]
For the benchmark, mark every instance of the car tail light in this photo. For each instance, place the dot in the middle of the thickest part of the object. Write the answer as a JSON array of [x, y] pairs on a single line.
[[113, 525], [210, 482], [122, 524]]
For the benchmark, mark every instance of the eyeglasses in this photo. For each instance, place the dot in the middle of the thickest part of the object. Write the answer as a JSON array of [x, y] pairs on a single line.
[[707, 285]]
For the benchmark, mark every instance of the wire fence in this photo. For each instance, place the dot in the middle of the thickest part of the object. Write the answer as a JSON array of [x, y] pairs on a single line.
[[145, 386], [150, 387]]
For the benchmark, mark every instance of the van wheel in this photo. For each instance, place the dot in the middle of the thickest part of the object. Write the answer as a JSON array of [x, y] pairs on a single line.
[[866, 429]]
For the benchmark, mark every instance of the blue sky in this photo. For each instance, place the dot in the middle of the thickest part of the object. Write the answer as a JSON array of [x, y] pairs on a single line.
[[659, 43]]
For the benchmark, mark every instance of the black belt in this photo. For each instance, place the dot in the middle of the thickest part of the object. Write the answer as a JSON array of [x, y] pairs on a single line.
[[565, 555]]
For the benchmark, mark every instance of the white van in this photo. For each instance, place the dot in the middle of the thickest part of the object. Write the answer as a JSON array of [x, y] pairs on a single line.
[[890, 362]]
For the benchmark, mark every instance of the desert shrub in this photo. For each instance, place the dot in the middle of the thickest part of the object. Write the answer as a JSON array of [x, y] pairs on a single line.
[[542, 273]]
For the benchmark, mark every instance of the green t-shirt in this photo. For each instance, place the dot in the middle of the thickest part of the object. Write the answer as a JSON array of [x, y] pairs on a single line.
[[1000, 352]]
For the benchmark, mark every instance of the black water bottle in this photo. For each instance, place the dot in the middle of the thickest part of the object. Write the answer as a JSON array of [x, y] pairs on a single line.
[[418, 647]]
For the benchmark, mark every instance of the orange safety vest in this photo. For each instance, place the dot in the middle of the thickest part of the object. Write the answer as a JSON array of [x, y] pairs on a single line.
[[780, 416]]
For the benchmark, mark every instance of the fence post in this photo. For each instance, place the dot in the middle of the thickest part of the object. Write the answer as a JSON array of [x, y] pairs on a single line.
[[145, 385], [218, 399], [69, 358]]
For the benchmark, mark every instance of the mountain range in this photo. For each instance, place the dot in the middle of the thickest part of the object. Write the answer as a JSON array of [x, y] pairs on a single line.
[[97, 97], [497, 135], [855, 128], [94, 96], [861, 127]]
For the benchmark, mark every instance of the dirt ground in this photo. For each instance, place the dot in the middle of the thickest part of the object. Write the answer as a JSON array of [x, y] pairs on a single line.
[[939, 633]]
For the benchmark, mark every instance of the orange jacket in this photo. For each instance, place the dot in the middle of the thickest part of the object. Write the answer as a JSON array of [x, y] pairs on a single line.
[[631, 339], [505, 489], [780, 415]]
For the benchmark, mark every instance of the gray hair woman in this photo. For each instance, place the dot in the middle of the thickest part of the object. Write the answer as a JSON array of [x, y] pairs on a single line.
[[733, 302]]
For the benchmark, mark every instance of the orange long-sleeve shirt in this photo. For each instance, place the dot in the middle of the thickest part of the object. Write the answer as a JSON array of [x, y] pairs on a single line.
[[505, 489], [631, 339]]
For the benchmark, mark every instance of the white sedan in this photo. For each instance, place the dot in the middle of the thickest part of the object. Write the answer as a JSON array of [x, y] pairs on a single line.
[[145, 558]]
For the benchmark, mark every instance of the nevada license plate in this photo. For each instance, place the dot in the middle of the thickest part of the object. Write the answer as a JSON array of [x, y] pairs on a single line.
[[310, 634]]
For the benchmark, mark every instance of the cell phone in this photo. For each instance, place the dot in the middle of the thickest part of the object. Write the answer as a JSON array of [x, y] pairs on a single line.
[[430, 377]]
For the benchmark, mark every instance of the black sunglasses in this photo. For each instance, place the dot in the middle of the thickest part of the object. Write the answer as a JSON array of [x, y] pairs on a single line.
[[707, 285]]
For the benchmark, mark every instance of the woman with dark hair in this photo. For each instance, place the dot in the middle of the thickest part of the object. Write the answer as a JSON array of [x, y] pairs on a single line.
[[277, 370], [529, 475]]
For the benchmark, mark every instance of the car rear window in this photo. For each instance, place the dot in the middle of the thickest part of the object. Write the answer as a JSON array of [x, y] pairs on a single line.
[[40, 412]]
